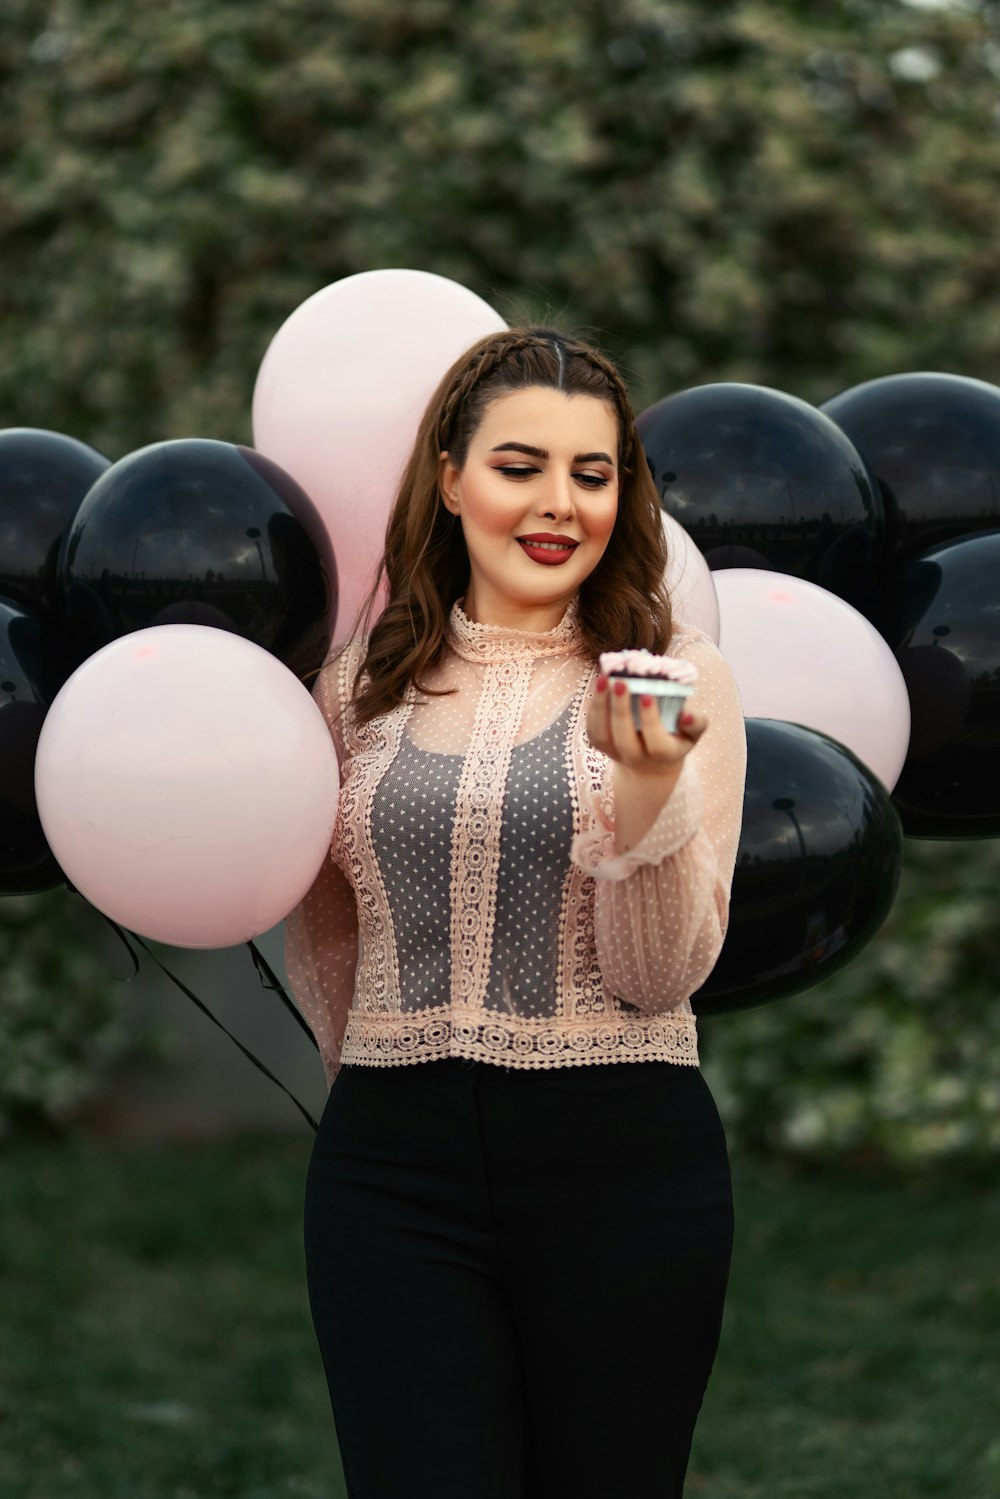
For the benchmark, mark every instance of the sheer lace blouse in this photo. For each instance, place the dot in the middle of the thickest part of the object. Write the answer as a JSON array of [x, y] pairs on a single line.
[[473, 904]]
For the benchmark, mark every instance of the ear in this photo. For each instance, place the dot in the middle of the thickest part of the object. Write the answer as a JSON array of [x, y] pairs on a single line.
[[448, 482]]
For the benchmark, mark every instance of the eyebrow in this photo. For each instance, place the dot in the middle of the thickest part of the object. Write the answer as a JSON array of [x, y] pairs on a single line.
[[523, 447]]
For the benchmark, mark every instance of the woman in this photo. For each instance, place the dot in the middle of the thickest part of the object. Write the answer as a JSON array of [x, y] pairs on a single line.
[[518, 1210]]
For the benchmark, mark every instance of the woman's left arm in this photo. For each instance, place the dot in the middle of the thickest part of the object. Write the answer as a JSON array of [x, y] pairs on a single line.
[[664, 869]]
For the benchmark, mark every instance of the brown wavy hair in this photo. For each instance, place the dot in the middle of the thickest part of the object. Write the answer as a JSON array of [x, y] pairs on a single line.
[[623, 603]]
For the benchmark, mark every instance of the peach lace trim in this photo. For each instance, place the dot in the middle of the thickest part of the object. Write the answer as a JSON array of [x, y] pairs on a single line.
[[460, 1030], [475, 857], [582, 979], [495, 643], [368, 748]]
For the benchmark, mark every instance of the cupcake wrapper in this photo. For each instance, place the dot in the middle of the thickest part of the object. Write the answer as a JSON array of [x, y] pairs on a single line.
[[669, 697]]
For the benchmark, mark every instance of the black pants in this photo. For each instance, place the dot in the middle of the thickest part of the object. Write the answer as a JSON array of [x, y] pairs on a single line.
[[517, 1278]]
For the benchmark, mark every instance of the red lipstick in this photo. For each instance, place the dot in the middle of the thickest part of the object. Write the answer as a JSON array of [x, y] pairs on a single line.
[[554, 550]]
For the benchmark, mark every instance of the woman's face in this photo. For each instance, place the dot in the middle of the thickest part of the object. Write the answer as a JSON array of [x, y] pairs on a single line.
[[542, 468]]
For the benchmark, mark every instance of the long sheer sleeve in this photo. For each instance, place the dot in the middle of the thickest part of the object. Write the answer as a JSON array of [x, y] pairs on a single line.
[[662, 909], [321, 932]]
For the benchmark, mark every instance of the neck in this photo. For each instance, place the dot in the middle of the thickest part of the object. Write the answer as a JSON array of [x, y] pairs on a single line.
[[509, 614]]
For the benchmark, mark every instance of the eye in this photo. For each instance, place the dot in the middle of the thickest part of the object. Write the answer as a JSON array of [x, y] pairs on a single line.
[[516, 470], [593, 481]]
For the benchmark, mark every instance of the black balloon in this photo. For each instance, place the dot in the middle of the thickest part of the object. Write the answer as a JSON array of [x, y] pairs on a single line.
[[32, 669], [43, 478], [201, 532], [933, 443], [940, 613], [755, 473], [817, 869]]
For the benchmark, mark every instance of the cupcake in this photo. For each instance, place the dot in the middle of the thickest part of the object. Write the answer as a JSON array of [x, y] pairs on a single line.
[[669, 681]]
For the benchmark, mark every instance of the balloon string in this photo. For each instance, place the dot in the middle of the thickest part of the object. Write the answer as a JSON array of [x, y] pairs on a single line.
[[260, 962], [204, 1008], [118, 933]]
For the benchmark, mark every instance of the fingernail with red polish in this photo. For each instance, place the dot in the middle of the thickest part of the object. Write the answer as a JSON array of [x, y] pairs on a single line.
[[646, 700], [687, 718], [602, 684], [619, 688]]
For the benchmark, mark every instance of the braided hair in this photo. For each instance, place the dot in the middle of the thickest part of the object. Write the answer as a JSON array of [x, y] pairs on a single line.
[[623, 602]]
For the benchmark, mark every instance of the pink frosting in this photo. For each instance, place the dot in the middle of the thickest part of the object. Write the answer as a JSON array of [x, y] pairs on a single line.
[[644, 663]]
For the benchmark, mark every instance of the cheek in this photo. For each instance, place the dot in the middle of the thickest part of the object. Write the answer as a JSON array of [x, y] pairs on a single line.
[[491, 513], [605, 523]]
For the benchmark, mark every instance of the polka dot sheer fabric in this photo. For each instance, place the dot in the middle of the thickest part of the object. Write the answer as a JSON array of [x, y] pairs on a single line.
[[473, 903]]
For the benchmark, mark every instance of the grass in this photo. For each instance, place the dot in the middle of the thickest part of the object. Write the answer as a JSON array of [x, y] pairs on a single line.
[[156, 1341]]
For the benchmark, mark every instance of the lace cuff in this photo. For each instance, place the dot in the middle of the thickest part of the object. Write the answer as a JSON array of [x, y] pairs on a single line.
[[678, 821]]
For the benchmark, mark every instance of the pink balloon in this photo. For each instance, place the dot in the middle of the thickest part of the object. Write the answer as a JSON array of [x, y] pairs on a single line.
[[690, 581], [187, 785], [340, 394], [802, 655]]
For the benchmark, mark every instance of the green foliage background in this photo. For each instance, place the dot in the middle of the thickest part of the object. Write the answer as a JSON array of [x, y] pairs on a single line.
[[894, 1062], [61, 1016], [801, 195], [798, 195]]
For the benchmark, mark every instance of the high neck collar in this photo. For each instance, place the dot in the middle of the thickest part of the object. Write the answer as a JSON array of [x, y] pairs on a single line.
[[478, 642]]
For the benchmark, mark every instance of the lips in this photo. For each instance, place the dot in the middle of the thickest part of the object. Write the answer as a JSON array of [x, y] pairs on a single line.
[[547, 549]]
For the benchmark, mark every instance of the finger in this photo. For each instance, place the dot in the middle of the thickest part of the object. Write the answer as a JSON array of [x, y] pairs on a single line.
[[692, 724], [661, 747], [628, 747]]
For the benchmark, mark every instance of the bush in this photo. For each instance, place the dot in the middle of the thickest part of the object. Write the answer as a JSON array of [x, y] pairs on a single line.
[[894, 1061], [62, 1011], [795, 195]]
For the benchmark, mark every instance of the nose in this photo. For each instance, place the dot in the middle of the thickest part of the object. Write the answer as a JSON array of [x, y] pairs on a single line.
[[557, 501]]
